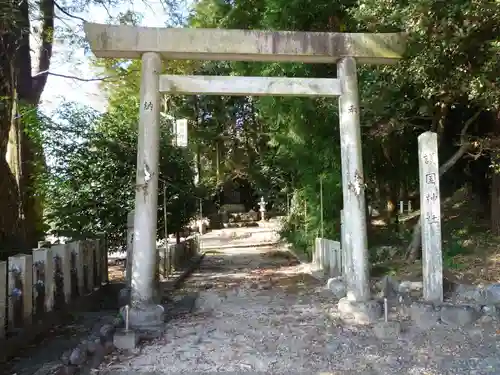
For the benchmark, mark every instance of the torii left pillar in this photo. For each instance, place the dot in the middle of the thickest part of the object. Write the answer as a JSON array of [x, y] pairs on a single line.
[[145, 314]]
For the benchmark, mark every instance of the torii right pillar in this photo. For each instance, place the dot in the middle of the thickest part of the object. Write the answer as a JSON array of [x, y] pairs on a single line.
[[357, 306], [353, 186]]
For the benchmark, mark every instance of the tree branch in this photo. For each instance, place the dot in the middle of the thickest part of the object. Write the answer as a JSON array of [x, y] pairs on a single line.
[[464, 145], [62, 10], [106, 9], [105, 78]]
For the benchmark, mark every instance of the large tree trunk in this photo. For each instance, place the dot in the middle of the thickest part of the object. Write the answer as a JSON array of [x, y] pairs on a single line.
[[20, 213], [30, 89], [10, 234]]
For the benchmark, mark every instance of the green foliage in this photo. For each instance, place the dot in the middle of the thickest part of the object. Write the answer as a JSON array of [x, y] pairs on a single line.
[[285, 146], [282, 132], [90, 187], [452, 46], [454, 248], [450, 72], [34, 124]]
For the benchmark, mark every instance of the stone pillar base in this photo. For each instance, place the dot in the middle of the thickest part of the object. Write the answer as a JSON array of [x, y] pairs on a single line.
[[148, 320], [353, 312], [124, 296]]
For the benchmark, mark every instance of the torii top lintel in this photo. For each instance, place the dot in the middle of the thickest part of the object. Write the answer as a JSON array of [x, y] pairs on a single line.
[[130, 42]]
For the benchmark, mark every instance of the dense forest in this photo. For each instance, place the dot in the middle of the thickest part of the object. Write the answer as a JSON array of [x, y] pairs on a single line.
[[448, 82]]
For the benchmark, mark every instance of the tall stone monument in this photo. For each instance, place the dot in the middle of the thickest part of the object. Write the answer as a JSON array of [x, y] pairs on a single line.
[[430, 217]]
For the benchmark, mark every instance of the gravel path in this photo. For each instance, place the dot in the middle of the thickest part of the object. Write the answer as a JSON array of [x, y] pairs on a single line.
[[259, 312]]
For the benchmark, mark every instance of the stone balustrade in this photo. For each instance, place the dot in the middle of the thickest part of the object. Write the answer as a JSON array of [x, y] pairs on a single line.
[[32, 285], [180, 255], [327, 257]]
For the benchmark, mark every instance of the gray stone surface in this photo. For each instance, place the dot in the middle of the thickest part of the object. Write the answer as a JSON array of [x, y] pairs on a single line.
[[491, 310], [410, 286], [145, 254], [488, 295], [359, 312], [403, 306], [249, 86], [430, 217], [106, 333], [337, 286], [353, 187], [387, 330], [118, 322], [125, 339], [492, 294], [469, 293], [459, 314], [424, 315], [68, 370], [78, 356], [126, 41]]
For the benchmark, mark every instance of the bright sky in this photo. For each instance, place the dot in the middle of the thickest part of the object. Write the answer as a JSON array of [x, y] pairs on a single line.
[[59, 90]]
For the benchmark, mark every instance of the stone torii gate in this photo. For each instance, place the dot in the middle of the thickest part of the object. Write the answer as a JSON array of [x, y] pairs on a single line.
[[153, 45]]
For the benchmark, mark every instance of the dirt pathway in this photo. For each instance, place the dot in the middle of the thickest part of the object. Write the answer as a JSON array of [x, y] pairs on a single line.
[[258, 311]]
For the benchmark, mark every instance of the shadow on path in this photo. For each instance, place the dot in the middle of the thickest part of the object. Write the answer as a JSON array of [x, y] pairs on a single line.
[[259, 268]]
